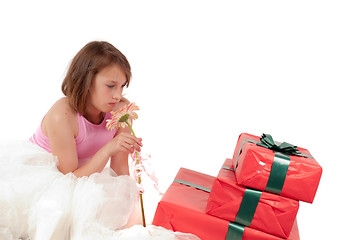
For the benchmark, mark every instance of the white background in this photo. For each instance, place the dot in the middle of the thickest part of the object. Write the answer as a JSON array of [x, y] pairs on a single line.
[[203, 72]]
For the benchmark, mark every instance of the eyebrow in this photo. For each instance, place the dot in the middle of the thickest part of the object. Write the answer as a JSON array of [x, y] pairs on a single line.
[[113, 81]]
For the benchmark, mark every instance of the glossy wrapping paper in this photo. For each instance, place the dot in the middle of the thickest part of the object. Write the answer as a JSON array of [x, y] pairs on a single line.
[[183, 208], [254, 164], [274, 214]]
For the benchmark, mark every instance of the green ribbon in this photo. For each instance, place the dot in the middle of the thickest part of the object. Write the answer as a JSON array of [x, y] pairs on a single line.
[[278, 173], [228, 168], [248, 207], [192, 185], [281, 161], [287, 148], [235, 231]]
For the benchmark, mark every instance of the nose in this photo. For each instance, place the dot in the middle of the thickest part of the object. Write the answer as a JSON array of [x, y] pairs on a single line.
[[117, 94]]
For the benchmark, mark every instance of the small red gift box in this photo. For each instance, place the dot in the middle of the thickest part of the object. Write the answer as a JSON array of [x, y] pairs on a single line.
[[183, 208], [258, 167], [264, 211]]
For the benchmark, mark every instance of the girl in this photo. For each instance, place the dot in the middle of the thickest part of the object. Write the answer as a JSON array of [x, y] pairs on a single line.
[[73, 129], [56, 186]]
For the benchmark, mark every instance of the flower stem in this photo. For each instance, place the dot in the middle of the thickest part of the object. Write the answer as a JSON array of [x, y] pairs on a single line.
[[139, 179]]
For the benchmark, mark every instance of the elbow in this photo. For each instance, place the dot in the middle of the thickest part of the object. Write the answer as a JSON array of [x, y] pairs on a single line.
[[65, 170]]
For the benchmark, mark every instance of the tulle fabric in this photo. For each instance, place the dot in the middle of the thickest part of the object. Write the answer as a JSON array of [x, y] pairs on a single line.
[[39, 202]]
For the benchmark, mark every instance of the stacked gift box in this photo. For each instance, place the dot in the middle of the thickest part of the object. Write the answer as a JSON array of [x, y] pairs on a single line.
[[255, 195]]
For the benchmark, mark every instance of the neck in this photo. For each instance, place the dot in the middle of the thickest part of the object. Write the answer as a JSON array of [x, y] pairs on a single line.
[[95, 117]]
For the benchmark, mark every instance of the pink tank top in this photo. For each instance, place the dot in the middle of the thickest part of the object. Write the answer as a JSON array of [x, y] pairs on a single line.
[[90, 139]]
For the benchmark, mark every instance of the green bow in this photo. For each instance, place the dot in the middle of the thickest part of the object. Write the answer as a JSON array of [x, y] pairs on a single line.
[[287, 148]]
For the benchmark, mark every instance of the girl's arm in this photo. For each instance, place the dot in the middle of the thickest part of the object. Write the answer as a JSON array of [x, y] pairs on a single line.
[[119, 161], [119, 146], [61, 127]]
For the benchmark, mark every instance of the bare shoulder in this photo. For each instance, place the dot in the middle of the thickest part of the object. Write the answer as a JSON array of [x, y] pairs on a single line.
[[62, 109], [61, 114]]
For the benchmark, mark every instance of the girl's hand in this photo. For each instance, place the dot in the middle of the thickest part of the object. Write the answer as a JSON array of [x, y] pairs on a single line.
[[124, 142]]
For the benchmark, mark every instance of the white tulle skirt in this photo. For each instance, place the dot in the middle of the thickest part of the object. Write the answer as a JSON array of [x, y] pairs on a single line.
[[38, 202]]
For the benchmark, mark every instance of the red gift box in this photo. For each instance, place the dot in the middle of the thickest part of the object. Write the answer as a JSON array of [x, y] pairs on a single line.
[[183, 208], [255, 163], [264, 211]]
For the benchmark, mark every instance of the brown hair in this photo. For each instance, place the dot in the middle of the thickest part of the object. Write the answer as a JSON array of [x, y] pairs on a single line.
[[93, 57]]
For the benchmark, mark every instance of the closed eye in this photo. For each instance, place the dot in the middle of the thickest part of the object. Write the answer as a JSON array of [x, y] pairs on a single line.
[[110, 85]]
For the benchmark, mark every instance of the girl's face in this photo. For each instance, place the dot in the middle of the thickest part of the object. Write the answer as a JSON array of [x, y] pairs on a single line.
[[106, 90]]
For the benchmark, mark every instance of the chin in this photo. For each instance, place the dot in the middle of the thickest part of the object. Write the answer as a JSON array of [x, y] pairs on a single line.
[[107, 109]]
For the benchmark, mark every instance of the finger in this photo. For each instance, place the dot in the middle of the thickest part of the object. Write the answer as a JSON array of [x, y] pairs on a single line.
[[132, 139], [139, 141], [131, 142], [129, 135], [128, 147], [136, 142], [135, 146]]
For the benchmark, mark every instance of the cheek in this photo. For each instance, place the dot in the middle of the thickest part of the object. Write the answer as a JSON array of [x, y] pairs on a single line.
[[98, 95], [104, 91]]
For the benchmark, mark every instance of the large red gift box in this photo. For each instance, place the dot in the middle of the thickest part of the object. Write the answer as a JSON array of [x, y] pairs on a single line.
[[183, 209], [253, 166], [264, 211]]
